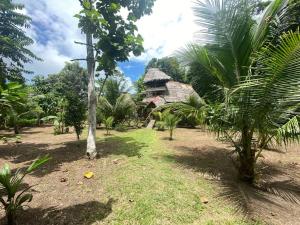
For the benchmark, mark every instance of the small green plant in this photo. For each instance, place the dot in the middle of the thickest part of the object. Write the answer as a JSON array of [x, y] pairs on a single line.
[[18, 139], [4, 139], [11, 184], [160, 118], [161, 126], [171, 122], [108, 123]]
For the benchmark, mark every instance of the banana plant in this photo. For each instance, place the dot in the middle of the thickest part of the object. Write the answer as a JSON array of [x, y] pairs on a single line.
[[12, 195]]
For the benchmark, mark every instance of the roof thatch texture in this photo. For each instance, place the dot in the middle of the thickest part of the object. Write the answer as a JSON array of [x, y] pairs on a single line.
[[155, 74], [175, 92], [157, 101], [178, 92]]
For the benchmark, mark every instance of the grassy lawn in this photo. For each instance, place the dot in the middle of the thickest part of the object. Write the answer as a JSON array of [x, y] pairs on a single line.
[[148, 187]]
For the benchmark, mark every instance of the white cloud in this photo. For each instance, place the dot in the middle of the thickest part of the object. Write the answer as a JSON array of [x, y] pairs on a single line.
[[54, 30], [169, 27]]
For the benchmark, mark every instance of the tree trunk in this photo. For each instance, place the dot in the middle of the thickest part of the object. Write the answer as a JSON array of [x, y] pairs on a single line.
[[77, 134], [92, 99], [247, 157], [16, 128], [10, 218], [62, 128], [171, 134]]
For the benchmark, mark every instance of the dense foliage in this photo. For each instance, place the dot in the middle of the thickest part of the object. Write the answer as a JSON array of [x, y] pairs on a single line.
[[64, 96], [114, 87], [123, 110]]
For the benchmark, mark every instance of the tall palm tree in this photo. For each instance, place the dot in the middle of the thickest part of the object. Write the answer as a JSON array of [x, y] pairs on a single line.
[[260, 81]]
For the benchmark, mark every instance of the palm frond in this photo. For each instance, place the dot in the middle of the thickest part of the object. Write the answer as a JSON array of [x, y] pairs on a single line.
[[280, 83], [262, 29], [288, 132]]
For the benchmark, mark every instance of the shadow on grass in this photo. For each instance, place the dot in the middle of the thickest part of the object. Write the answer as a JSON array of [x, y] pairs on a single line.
[[216, 165], [72, 151], [114, 145], [83, 214]]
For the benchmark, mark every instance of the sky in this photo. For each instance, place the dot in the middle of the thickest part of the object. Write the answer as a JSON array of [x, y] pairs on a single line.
[[54, 30]]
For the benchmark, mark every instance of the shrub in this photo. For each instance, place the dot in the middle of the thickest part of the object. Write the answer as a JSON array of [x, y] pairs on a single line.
[[121, 128], [23, 122], [11, 184], [160, 117], [161, 126], [27, 122]]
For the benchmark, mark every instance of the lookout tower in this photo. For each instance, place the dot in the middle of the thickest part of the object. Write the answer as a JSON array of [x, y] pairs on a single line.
[[161, 89]]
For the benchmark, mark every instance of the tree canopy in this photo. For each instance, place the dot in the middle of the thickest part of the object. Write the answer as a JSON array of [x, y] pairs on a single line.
[[116, 37], [13, 42], [65, 91]]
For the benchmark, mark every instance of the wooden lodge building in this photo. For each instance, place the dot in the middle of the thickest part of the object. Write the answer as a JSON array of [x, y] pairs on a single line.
[[161, 89]]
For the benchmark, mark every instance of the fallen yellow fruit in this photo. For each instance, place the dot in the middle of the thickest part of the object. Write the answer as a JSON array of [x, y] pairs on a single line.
[[88, 175]]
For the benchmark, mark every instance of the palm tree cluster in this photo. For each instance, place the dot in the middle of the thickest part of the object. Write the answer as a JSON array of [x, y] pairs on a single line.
[[123, 109], [257, 70]]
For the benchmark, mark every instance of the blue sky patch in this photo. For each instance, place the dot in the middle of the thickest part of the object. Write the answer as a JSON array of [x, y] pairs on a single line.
[[133, 69]]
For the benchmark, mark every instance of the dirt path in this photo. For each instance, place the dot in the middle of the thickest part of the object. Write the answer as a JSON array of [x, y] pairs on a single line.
[[142, 178]]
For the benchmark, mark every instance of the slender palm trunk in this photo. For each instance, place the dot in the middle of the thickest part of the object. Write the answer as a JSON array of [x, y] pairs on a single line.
[[10, 216], [77, 130], [92, 99], [15, 121], [247, 157], [171, 134]]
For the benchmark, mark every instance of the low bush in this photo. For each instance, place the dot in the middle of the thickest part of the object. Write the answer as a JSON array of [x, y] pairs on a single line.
[[161, 126], [121, 128], [27, 122]]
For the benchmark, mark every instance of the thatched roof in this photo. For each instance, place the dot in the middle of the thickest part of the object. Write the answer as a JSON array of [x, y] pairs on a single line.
[[155, 74], [175, 92], [157, 101], [178, 92]]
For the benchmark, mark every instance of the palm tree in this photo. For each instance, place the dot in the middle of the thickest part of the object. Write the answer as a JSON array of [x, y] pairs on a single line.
[[114, 87], [124, 108], [108, 123], [12, 102], [193, 110], [171, 122], [260, 81]]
